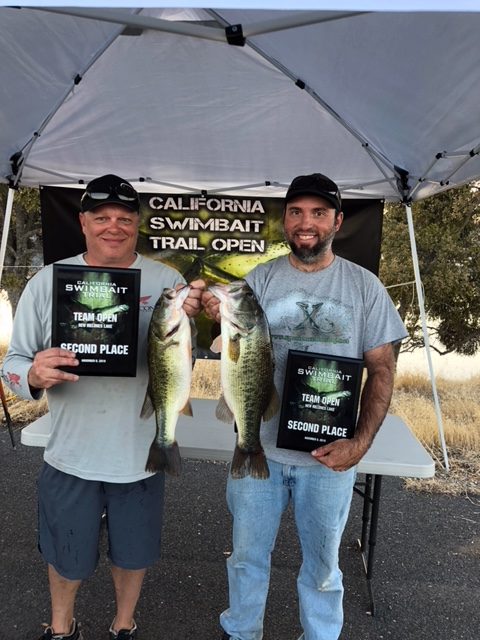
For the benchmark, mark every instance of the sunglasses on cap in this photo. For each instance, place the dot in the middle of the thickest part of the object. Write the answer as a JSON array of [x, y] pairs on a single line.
[[122, 191]]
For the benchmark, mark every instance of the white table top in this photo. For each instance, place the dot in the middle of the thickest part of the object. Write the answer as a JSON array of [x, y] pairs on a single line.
[[394, 452]]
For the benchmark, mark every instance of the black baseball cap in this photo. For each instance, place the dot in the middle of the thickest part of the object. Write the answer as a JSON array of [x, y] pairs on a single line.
[[316, 184], [109, 189]]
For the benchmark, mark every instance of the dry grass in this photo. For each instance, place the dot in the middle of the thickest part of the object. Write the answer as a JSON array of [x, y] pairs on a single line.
[[462, 479], [412, 401], [459, 402], [22, 412], [460, 407]]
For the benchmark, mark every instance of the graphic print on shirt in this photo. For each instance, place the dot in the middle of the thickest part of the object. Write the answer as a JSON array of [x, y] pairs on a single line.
[[12, 379], [323, 320]]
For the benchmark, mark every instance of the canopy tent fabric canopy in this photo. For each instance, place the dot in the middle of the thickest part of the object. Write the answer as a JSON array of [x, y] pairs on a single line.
[[384, 102], [239, 100]]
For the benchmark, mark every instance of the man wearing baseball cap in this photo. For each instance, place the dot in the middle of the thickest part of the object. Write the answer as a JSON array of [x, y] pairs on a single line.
[[96, 454], [318, 302]]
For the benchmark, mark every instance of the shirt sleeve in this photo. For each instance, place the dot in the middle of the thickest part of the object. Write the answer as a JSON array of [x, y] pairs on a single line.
[[28, 337]]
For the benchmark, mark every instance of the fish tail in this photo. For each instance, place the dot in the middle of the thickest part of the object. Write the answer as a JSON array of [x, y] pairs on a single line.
[[252, 463], [164, 458]]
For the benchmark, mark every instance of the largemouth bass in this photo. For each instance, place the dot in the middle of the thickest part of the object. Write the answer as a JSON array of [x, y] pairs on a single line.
[[170, 374], [247, 375]]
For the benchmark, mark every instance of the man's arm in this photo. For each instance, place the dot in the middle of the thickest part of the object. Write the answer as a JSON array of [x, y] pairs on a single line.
[[375, 400]]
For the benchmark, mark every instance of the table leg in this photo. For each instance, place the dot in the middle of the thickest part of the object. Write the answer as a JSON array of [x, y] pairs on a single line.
[[369, 528], [366, 510]]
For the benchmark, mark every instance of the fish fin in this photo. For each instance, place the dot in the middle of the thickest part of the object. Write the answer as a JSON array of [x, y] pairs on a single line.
[[234, 348], [259, 466], [187, 409], [164, 458], [273, 405], [252, 463], [216, 345], [223, 411], [147, 407]]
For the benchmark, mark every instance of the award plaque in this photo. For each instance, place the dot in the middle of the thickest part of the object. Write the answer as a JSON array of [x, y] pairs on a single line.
[[95, 314], [320, 400]]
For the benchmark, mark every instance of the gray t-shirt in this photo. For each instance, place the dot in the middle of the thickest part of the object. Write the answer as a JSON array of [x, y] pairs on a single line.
[[97, 432], [343, 310]]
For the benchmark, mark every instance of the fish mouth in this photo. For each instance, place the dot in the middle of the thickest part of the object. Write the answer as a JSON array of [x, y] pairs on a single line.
[[241, 330], [241, 318], [172, 332], [174, 297], [170, 293], [232, 290]]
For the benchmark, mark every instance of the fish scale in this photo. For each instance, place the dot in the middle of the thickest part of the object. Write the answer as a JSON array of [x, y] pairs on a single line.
[[247, 375], [170, 372], [166, 367], [240, 378]]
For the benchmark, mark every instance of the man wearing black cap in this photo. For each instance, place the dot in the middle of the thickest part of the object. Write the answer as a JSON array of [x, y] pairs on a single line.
[[314, 301], [96, 453]]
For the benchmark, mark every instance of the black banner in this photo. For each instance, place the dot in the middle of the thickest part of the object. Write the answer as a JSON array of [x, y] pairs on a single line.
[[320, 400], [95, 314], [217, 238]]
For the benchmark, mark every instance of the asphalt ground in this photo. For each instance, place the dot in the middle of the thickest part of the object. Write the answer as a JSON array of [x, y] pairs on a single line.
[[426, 574]]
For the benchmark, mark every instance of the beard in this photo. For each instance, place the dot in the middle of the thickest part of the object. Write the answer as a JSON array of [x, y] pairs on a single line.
[[307, 255], [310, 255]]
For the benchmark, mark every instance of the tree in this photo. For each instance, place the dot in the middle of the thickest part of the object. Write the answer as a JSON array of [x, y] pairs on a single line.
[[447, 231], [24, 246]]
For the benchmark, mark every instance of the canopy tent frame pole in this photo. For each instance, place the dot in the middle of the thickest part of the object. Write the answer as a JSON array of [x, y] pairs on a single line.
[[6, 229], [8, 418], [419, 288], [117, 16], [3, 251], [464, 156]]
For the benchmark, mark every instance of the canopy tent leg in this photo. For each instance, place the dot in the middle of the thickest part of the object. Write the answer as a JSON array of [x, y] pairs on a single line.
[[418, 285], [8, 418], [6, 228]]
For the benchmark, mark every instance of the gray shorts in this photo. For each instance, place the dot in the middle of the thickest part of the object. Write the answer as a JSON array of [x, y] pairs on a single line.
[[70, 516]]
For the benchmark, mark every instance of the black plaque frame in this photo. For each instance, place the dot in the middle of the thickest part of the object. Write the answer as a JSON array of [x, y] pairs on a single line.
[[95, 313], [320, 400]]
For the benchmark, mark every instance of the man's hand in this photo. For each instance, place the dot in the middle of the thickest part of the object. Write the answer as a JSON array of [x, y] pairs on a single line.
[[211, 305], [340, 455], [45, 373], [193, 302]]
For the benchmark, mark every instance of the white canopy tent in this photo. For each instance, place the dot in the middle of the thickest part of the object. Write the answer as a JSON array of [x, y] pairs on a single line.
[[359, 94], [240, 100]]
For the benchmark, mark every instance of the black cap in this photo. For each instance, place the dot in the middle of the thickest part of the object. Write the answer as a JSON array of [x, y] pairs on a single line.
[[315, 184], [109, 189]]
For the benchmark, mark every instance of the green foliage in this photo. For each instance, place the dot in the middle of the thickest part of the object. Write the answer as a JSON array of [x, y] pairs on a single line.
[[24, 246], [447, 231]]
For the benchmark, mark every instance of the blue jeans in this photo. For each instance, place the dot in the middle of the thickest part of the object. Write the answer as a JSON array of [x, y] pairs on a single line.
[[321, 501]]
